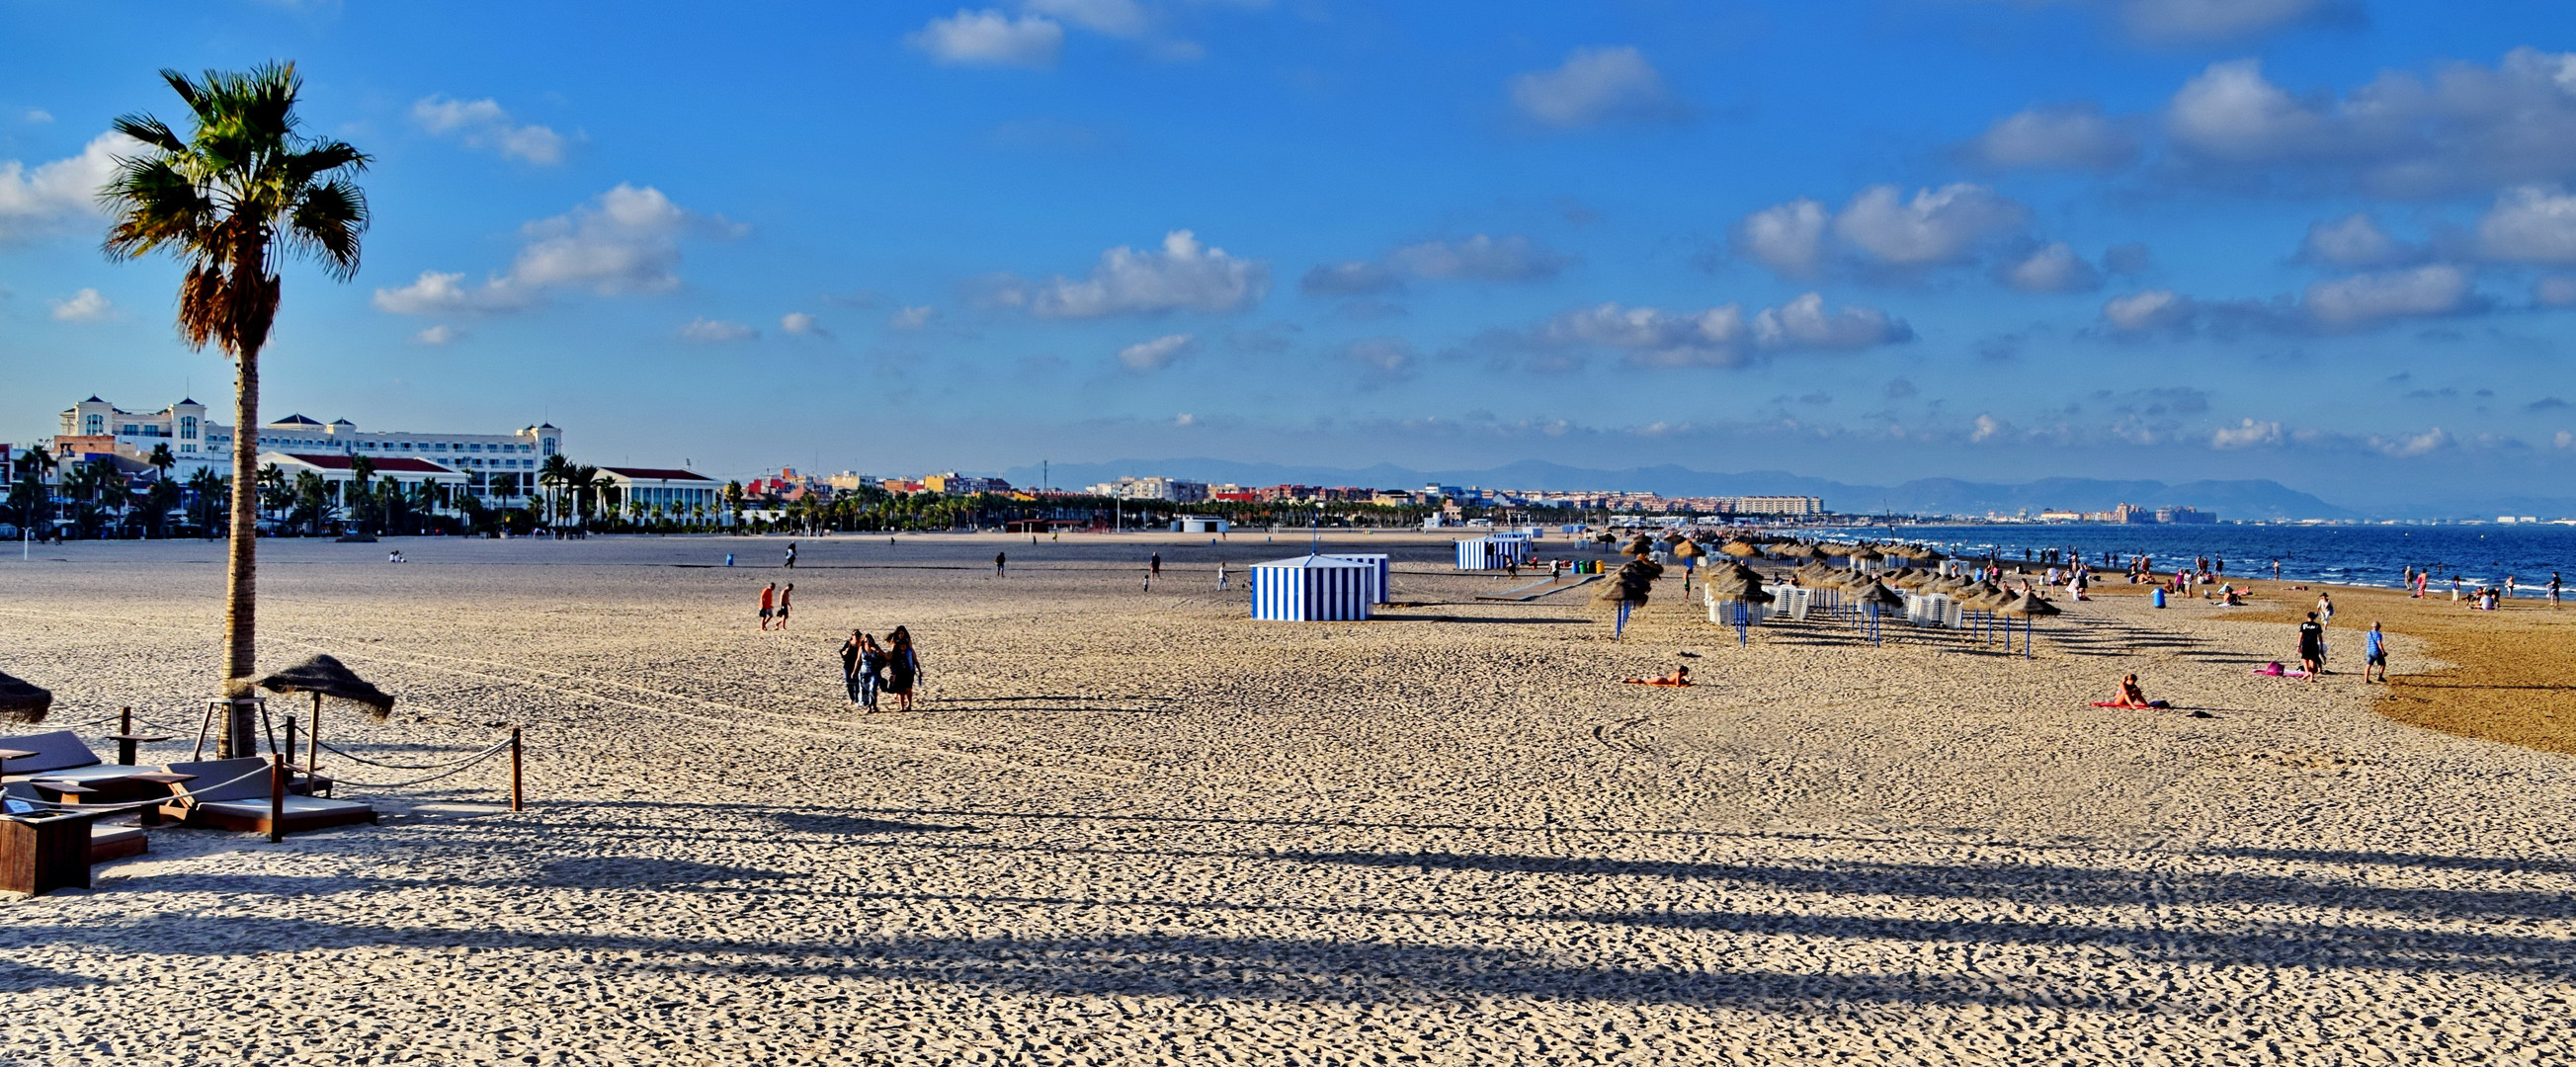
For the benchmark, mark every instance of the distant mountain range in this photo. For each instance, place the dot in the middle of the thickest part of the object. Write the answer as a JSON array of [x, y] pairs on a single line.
[[2258, 499]]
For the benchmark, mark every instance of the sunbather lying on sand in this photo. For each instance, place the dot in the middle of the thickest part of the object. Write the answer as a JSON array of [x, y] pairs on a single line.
[[1679, 676], [2131, 695], [2274, 670]]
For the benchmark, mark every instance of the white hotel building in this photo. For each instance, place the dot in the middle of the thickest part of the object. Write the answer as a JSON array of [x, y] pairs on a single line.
[[499, 467]]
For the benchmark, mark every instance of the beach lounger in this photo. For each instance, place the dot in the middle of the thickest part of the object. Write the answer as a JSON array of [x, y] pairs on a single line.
[[219, 801], [60, 756]]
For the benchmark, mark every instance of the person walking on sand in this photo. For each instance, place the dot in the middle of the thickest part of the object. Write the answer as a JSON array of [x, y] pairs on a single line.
[[791, 555], [999, 561], [1154, 566], [768, 604], [2553, 590], [784, 595], [851, 651], [1220, 576], [2312, 647], [872, 665], [2374, 654], [2325, 608], [903, 668]]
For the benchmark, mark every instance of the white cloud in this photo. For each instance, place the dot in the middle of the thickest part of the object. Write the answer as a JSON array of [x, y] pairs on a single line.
[[2188, 22], [628, 242], [83, 306], [2354, 241], [1596, 85], [1384, 357], [2068, 137], [1988, 428], [2412, 445], [1788, 238], [2554, 291], [1353, 278], [2231, 112], [2531, 224], [2050, 269], [1510, 258], [2248, 434], [2465, 127], [1183, 276], [1156, 354], [1482, 257], [439, 335], [436, 293], [1937, 226], [2154, 309], [716, 331], [990, 38], [1117, 18], [1719, 336], [483, 124], [37, 115], [802, 324], [2363, 299], [2565, 439], [1804, 324], [912, 318], [37, 198]]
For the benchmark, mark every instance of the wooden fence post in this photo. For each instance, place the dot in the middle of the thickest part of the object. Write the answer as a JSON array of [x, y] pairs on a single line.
[[516, 794]]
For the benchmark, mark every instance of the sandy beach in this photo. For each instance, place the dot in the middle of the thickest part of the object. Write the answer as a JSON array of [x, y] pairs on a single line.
[[1132, 826]]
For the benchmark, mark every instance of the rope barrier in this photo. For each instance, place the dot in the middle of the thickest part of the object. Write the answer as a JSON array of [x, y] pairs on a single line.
[[134, 804], [335, 750], [469, 765]]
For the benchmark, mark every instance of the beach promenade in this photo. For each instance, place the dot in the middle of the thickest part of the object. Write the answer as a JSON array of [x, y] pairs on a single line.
[[1137, 827]]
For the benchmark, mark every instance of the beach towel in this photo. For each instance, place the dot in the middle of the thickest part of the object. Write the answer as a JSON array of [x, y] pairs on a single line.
[[2275, 671]]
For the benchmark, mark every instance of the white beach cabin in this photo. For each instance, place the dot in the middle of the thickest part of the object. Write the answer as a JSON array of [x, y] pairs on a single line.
[[1381, 572], [1492, 553], [1200, 524], [1312, 589]]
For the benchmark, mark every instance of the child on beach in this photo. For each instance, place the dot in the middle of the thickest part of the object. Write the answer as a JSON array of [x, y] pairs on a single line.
[[2131, 695], [768, 604], [1679, 676]]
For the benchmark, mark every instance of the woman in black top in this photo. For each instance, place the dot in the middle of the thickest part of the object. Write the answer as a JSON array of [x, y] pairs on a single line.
[[903, 667]]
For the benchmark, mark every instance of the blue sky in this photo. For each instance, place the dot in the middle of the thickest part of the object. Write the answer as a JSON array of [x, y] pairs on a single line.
[[2331, 242]]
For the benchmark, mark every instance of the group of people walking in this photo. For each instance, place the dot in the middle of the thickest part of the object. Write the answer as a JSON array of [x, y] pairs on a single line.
[[868, 668]]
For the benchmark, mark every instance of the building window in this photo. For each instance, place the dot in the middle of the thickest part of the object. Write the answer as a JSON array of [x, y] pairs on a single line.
[[188, 427]]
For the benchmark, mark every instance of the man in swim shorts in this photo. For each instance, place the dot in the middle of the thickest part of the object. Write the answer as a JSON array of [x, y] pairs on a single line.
[[2374, 654], [2312, 647], [768, 603]]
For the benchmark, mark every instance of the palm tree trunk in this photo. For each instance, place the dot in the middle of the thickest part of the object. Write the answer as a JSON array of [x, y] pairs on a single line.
[[241, 562]]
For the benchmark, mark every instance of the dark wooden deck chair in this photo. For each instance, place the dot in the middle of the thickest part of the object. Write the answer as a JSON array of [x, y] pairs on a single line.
[[59, 755], [215, 799]]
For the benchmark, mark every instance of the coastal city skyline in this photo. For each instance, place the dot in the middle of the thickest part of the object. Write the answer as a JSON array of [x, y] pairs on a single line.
[[2289, 241]]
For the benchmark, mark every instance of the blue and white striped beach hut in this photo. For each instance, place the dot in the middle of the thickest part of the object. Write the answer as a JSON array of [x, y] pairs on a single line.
[[1381, 572], [1492, 553], [1312, 589]]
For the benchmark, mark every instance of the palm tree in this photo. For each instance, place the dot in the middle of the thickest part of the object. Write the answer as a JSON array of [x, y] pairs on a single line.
[[241, 193], [553, 475], [362, 470]]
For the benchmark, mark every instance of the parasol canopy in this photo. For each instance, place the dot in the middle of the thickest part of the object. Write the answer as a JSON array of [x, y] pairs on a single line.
[[325, 675], [24, 701]]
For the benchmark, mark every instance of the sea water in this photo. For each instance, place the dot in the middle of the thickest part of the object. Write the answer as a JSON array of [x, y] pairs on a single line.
[[2343, 555]]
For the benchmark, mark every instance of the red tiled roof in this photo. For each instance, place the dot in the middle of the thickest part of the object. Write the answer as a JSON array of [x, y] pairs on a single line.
[[384, 464], [668, 474]]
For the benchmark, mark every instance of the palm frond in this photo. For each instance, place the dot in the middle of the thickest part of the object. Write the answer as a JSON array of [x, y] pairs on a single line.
[[151, 131], [155, 205], [325, 225]]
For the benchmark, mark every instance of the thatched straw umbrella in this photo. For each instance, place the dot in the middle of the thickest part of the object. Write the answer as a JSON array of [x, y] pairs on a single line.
[[1639, 547], [324, 676], [22, 701], [1740, 549], [1628, 587]]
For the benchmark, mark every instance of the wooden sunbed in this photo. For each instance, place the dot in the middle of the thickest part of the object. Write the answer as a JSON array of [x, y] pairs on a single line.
[[254, 803], [58, 756]]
